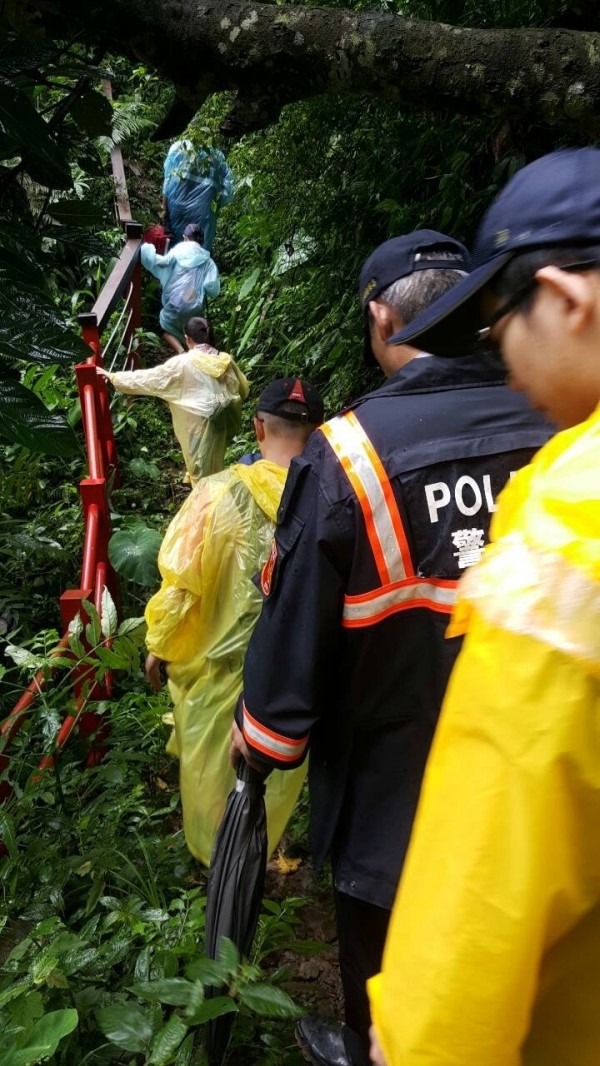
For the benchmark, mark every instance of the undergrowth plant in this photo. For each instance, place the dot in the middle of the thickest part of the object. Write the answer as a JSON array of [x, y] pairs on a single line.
[[102, 916]]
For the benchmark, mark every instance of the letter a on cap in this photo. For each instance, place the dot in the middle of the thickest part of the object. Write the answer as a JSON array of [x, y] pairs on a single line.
[[297, 392]]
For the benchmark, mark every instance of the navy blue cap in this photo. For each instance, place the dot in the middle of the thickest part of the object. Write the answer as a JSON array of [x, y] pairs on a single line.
[[552, 201], [293, 399], [400, 257]]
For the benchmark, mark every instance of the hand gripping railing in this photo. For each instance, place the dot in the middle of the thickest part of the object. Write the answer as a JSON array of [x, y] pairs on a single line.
[[122, 287]]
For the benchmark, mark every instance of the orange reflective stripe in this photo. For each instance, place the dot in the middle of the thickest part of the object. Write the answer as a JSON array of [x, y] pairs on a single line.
[[371, 607], [366, 474], [388, 492]]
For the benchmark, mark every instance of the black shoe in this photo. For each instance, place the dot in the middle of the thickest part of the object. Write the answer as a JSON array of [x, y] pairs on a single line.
[[326, 1043]]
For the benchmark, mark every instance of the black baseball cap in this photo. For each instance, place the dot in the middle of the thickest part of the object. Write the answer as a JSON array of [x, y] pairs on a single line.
[[401, 256], [552, 201], [293, 399]]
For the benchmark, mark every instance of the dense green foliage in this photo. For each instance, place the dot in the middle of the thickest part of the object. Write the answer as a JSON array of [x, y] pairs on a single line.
[[102, 908]]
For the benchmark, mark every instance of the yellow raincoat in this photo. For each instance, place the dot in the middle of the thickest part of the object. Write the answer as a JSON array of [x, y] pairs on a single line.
[[200, 622], [204, 389], [493, 953]]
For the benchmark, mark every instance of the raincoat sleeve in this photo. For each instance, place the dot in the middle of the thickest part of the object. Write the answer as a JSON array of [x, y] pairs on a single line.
[[165, 380], [171, 614], [212, 281], [494, 875], [155, 263], [289, 666], [242, 380]]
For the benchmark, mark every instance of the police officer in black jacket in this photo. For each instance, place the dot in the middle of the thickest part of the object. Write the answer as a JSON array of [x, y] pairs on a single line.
[[390, 502]]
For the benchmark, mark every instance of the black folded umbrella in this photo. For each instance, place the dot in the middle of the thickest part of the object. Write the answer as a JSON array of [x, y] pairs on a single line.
[[236, 884]]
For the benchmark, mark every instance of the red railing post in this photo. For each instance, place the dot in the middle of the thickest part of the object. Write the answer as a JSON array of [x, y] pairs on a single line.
[[94, 499], [97, 423], [91, 334]]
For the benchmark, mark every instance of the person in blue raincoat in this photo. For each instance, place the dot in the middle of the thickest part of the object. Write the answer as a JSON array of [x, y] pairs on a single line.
[[187, 275], [197, 182]]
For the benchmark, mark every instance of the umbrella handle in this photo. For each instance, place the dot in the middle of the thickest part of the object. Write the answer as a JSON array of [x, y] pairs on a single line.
[[249, 775]]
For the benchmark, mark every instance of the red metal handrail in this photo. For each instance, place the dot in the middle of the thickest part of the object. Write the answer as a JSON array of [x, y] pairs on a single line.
[[123, 282]]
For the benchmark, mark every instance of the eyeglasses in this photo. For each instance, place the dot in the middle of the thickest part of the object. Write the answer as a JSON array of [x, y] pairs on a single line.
[[523, 292]]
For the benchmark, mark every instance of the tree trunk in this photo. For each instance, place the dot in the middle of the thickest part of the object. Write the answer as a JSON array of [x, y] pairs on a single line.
[[272, 55]]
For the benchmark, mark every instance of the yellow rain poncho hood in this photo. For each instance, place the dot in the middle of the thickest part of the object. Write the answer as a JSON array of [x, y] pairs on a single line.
[[204, 389], [200, 622], [493, 953]]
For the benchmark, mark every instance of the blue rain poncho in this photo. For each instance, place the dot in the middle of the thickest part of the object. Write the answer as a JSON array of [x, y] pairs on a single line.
[[187, 275], [196, 184]]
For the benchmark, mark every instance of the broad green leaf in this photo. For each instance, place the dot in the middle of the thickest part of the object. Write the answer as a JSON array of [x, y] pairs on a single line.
[[8, 835], [111, 659], [108, 614], [184, 1054], [30, 328], [208, 971], [43, 967], [213, 1008], [130, 625], [27, 1009], [127, 1026], [72, 237], [23, 657], [269, 1000], [75, 633], [142, 965], [141, 468], [175, 991], [93, 113], [16, 264], [167, 1041], [40, 1042], [43, 159], [228, 954], [24, 420], [92, 629], [23, 52], [76, 212], [249, 284], [134, 552], [14, 990]]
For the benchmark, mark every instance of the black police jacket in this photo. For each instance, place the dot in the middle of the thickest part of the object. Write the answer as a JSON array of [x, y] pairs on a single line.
[[366, 699]]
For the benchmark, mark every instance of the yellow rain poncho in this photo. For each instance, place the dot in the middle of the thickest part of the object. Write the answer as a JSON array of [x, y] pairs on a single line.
[[204, 389], [200, 622], [493, 953]]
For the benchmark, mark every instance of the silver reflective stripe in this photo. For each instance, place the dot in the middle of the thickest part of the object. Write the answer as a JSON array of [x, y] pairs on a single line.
[[272, 744], [372, 608]]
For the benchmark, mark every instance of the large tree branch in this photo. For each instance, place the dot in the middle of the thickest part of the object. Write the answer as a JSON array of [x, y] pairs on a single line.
[[272, 55]]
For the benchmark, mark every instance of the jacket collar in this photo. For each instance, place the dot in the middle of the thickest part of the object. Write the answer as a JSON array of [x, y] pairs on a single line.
[[435, 372]]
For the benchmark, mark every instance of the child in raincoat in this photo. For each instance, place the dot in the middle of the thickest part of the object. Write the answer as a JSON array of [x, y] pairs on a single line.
[[493, 952], [204, 389], [187, 275], [201, 619], [197, 182]]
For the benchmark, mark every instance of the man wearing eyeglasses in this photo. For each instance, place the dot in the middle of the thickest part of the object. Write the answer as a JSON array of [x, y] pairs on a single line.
[[389, 505], [493, 954]]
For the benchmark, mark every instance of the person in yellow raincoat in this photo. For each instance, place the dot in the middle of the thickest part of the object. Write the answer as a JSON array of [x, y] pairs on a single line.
[[493, 953], [200, 620], [204, 389]]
